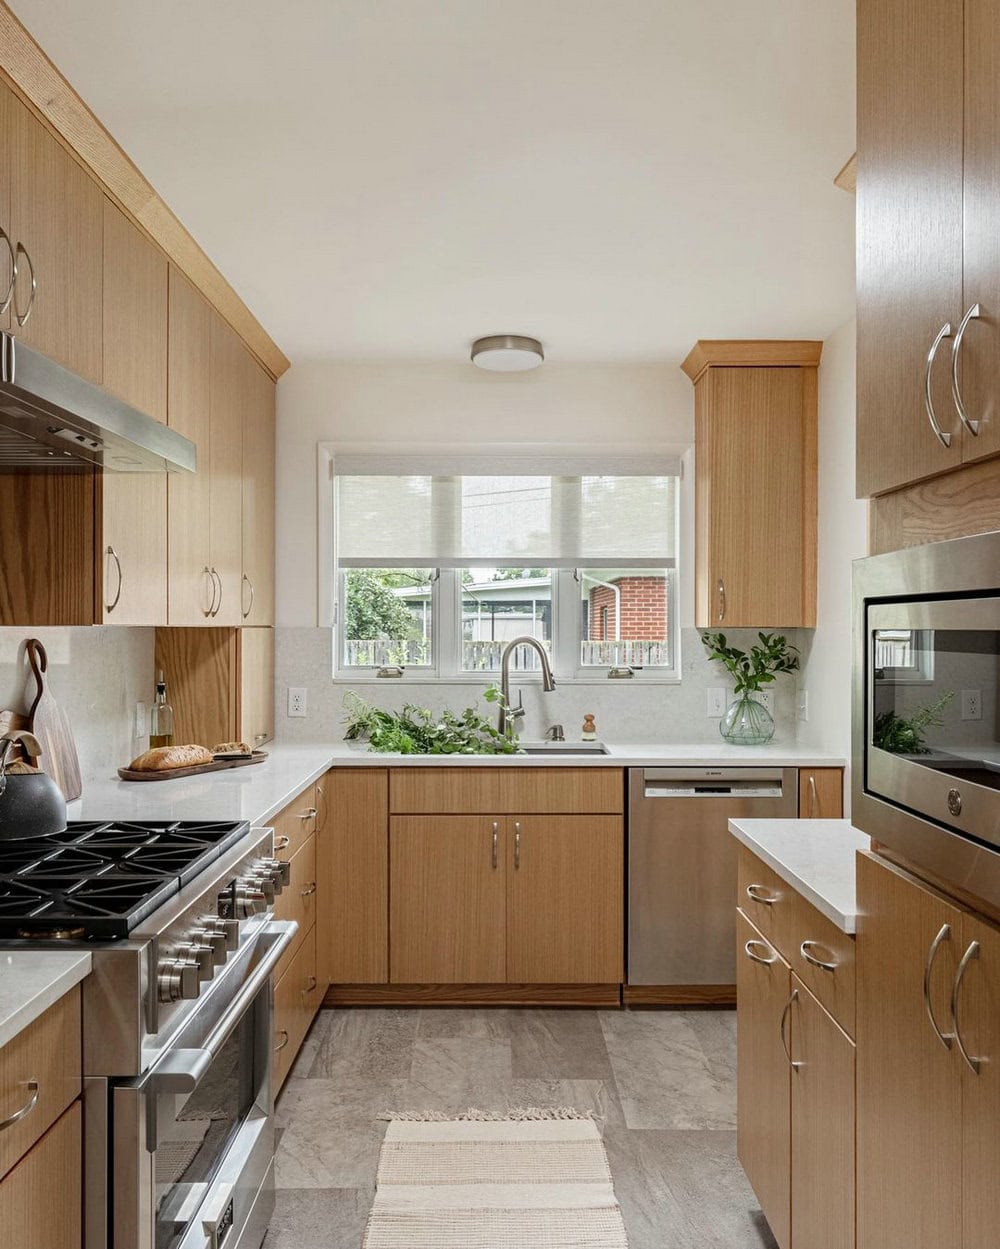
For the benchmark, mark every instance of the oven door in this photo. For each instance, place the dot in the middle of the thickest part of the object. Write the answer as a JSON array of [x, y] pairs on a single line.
[[932, 711], [193, 1137]]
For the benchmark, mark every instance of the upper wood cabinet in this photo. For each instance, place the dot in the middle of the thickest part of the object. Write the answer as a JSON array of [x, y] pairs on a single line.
[[928, 252], [755, 483], [257, 586], [225, 467]]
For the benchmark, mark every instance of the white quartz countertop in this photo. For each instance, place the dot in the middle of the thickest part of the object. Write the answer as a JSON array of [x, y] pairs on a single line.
[[33, 980], [259, 792], [815, 857]]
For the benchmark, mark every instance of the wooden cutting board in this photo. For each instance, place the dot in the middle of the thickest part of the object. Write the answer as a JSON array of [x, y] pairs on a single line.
[[48, 722]]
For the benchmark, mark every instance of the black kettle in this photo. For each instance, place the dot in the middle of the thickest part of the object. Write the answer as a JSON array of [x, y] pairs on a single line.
[[31, 803]]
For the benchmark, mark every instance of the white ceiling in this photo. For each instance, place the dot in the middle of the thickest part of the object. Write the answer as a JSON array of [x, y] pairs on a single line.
[[389, 179]]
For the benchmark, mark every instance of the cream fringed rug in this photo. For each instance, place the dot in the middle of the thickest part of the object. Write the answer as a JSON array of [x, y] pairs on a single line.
[[533, 1179]]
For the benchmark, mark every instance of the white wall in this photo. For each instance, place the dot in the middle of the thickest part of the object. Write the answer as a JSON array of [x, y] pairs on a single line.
[[843, 537], [624, 407]]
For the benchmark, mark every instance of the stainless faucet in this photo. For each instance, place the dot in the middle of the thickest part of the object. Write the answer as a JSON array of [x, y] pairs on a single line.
[[509, 717]]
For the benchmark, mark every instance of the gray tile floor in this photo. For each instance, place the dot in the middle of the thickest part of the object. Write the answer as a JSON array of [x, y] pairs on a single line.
[[663, 1083]]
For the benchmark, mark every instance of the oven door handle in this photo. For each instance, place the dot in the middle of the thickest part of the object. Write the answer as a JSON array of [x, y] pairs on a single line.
[[181, 1070]]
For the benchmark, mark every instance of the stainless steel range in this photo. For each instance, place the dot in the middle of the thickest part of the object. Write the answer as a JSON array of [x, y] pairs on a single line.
[[177, 1019]]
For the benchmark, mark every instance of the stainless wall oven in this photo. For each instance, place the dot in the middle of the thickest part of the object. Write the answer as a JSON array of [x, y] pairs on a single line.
[[926, 776]]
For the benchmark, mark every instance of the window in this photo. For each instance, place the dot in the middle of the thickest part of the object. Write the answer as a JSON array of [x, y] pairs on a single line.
[[439, 562]]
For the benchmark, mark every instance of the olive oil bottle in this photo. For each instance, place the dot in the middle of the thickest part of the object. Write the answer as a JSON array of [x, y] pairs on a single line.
[[161, 717]]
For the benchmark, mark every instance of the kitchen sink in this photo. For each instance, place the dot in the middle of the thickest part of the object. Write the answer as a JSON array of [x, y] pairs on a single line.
[[564, 748]]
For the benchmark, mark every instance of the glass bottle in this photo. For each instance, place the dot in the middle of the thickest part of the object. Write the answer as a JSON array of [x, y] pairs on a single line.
[[161, 717]]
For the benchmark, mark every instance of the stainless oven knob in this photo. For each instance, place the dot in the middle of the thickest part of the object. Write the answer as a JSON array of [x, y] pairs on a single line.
[[178, 980], [249, 899], [280, 869], [200, 952], [215, 940], [228, 928], [263, 881]]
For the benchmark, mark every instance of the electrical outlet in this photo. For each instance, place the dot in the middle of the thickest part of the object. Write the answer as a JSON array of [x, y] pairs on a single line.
[[766, 698], [141, 720], [802, 705], [972, 704], [296, 700], [716, 703]]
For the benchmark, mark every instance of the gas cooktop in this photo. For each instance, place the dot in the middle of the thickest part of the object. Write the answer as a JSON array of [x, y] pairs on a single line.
[[99, 881]]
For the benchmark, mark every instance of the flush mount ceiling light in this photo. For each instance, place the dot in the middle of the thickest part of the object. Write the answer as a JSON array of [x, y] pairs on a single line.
[[507, 353]]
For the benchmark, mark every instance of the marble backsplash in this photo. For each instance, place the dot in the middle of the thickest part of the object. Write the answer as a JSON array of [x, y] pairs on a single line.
[[626, 711]]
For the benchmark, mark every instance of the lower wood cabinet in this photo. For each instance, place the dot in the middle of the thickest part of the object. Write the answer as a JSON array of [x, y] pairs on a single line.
[[297, 997], [41, 1198], [821, 793]]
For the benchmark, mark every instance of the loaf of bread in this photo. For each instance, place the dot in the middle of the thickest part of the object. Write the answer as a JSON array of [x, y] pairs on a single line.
[[232, 748], [163, 758]]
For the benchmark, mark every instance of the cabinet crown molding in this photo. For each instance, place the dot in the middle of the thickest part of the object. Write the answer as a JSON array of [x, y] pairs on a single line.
[[751, 352]]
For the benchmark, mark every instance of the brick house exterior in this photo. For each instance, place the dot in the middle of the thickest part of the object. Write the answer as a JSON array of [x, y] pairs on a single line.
[[643, 610]]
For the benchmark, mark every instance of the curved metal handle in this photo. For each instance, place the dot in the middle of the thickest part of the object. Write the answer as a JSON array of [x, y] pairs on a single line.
[[310, 888], [496, 845], [756, 957], [218, 580], [944, 934], [310, 985], [110, 607], [517, 843], [26, 1109], [283, 1033], [943, 438], [5, 302], [813, 797], [972, 952], [308, 813], [22, 317], [781, 1030], [811, 958], [721, 587], [973, 314], [207, 572], [249, 609], [282, 843], [756, 893]]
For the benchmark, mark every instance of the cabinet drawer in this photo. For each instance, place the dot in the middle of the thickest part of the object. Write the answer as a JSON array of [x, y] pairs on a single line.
[[41, 1199], [298, 899], [297, 996], [834, 985], [295, 824], [766, 900], [45, 1059], [506, 791]]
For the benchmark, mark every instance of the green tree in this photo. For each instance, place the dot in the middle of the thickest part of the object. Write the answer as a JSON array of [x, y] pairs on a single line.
[[373, 611], [518, 574]]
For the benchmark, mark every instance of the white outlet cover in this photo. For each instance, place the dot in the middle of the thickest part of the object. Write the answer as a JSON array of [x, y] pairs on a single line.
[[297, 701], [802, 705], [972, 704], [716, 702], [766, 697]]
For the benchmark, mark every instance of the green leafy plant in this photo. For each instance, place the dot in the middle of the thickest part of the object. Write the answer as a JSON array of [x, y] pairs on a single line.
[[905, 736], [417, 731], [754, 668]]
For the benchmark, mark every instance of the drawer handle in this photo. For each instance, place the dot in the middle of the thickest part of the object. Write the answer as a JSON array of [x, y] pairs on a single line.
[[781, 1030], [757, 958], [944, 934], [283, 1042], [26, 1109], [310, 888], [972, 952], [308, 814], [310, 985], [282, 843], [804, 949], [757, 893]]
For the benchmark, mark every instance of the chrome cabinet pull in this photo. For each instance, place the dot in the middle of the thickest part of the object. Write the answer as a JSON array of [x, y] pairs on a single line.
[[813, 797], [5, 302], [26, 1109], [972, 952], [517, 844], [283, 1033], [282, 843], [110, 607], [19, 316], [309, 889], [307, 814], [757, 893], [207, 572], [793, 996], [804, 949], [973, 314], [249, 584], [217, 579], [496, 845], [943, 438], [721, 587], [757, 958], [310, 985], [944, 934]]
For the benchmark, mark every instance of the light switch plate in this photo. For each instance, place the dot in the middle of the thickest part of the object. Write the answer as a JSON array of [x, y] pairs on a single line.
[[716, 703]]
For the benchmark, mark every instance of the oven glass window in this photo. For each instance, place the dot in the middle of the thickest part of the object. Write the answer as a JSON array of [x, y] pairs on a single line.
[[935, 700], [196, 1130]]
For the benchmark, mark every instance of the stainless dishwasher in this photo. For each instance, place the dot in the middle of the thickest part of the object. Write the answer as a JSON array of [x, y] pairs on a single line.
[[682, 863]]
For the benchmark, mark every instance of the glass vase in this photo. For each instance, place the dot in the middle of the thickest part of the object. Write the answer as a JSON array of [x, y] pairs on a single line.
[[747, 722]]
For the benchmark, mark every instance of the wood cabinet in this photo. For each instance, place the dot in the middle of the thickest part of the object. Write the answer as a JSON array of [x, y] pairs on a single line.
[[821, 793], [41, 1200], [755, 483], [257, 585], [928, 986], [226, 469], [928, 251], [506, 790], [297, 997], [256, 668]]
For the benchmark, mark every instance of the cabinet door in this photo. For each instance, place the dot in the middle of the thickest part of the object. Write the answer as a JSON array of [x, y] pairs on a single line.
[[447, 900], [189, 391], [257, 590], [133, 548], [226, 469], [8, 102], [981, 254], [763, 1092], [57, 214], [41, 1199], [822, 1126], [755, 507], [821, 793], [564, 899], [256, 662], [979, 1020], [297, 997], [909, 228], [909, 1087]]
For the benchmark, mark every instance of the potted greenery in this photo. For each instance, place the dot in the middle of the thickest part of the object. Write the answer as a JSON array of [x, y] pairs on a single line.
[[747, 721]]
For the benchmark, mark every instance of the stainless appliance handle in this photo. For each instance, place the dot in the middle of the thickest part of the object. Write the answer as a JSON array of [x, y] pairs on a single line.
[[781, 1029], [110, 607], [944, 934], [9, 295], [22, 317], [26, 1109], [942, 437], [180, 1070], [250, 604], [972, 952], [213, 1214], [804, 949], [956, 389], [757, 957]]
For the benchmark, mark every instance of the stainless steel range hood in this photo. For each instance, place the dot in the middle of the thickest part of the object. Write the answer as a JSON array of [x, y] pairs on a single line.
[[50, 418]]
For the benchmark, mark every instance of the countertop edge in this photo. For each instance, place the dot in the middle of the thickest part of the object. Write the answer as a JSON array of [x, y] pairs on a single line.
[[53, 987]]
